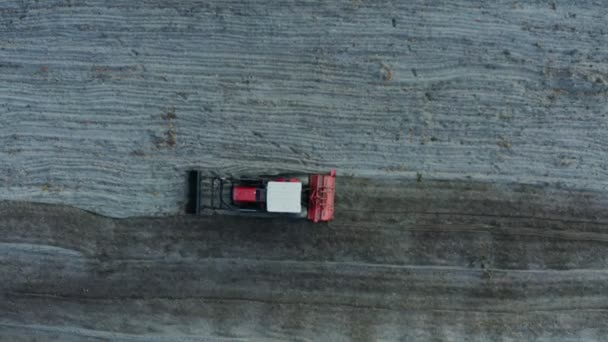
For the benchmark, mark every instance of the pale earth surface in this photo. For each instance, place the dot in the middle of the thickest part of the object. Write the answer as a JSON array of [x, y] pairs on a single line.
[[470, 136]]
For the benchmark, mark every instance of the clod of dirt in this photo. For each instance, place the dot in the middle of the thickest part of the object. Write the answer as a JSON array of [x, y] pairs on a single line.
[[504, 143], [387, 72], [170, 134], [169, 115], [171, 137]]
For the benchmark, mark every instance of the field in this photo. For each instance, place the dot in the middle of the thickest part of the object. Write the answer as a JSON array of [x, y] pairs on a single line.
[[470, 142]]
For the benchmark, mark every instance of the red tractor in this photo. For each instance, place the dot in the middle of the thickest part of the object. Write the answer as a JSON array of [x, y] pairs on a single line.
[[303, 196]]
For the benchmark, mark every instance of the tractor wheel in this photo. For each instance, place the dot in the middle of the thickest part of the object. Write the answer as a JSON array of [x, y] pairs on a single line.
[[302, 178]]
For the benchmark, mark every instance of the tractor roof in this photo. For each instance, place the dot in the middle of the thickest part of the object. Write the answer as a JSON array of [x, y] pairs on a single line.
[[284, 197]]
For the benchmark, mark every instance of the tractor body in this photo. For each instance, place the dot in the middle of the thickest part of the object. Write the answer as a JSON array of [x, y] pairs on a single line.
[[298, 196]]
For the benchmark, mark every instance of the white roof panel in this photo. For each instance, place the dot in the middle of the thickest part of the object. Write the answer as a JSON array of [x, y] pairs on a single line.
[[284, 197]]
